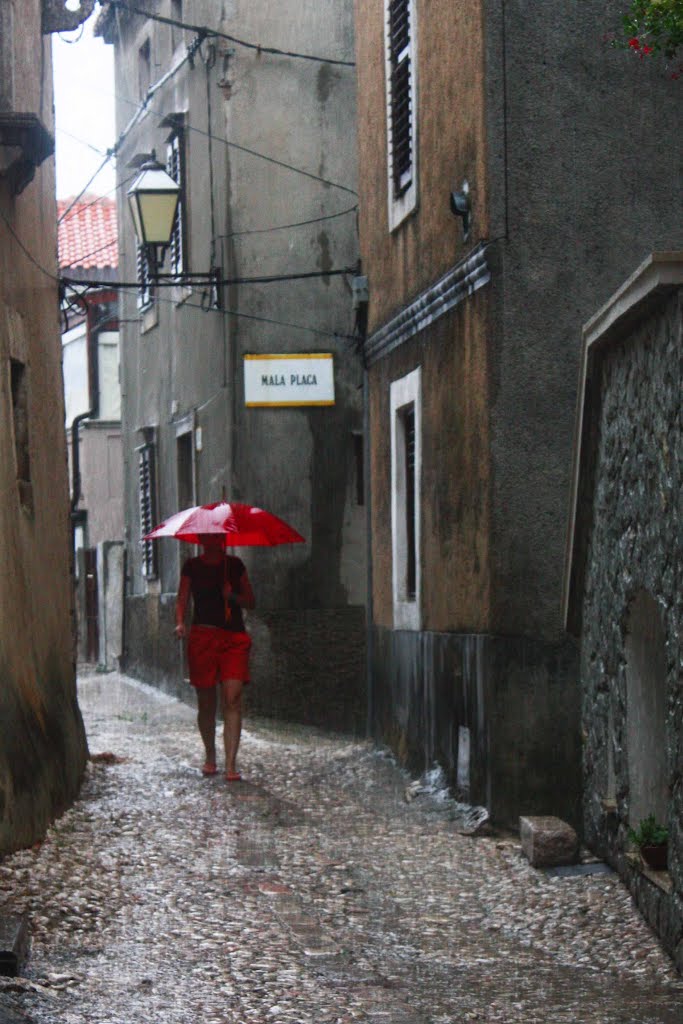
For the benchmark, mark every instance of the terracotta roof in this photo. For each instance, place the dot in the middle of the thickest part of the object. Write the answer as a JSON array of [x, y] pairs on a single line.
[[88, 234]]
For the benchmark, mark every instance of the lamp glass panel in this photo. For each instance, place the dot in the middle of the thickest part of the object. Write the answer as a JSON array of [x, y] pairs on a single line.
[[157, 212], [135, 214]]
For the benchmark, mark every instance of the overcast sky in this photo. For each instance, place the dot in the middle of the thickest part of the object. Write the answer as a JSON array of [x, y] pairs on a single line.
[[84, 109]]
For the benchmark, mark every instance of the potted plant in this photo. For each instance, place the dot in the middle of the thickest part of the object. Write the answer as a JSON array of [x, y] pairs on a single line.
[[652, 841], [651, 28]]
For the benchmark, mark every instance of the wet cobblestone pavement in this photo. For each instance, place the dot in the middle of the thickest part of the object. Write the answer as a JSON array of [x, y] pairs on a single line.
[[312, 892]]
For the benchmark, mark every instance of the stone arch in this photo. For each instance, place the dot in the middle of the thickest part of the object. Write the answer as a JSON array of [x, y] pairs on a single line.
[[646, 710]]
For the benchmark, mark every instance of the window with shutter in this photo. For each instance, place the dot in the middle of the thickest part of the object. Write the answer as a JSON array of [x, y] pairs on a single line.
[[147, 496], [144, 277], [175, 165], [401, 108]]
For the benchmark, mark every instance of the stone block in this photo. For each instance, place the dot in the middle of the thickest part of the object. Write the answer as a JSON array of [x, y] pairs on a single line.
[[548, 841]]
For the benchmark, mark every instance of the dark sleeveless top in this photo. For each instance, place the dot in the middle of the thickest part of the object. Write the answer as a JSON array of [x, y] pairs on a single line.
[[206, 581]]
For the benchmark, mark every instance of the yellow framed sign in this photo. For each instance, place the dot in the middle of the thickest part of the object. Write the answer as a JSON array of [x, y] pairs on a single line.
[[289, 380]]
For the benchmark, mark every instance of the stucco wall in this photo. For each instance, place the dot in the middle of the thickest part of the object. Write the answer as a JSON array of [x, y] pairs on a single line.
[[451, 149], [583, 185], [635, 546], [455, 485], [181, 362], [42, 743], [102, 480]]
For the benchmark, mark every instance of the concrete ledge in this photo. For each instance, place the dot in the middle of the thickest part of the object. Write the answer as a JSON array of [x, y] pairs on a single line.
[[548, 842]]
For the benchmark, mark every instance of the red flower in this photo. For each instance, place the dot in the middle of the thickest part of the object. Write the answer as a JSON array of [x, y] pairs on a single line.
[[634, 43], [648, 49]]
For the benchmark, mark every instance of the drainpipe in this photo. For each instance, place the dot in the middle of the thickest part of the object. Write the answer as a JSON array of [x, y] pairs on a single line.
[[94, 396]]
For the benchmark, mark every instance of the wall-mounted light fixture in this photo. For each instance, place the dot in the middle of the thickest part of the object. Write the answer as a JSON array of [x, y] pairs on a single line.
[[461, 206], [153, 199]]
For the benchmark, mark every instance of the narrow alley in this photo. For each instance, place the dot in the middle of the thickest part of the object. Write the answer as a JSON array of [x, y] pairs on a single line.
[[313, 891]]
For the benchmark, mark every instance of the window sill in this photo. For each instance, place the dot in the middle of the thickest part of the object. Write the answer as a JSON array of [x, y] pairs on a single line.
[[149, 317]]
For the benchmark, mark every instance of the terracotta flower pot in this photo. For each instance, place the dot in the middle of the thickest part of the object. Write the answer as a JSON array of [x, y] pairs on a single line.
[[655, 856]]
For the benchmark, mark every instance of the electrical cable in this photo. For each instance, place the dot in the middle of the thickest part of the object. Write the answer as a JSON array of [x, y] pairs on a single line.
[[297, 224], [205, 29], [86, 187], [98, 199], [133, 289], [25, 251], [93, 252], [82, 142], [225, 142], [226, 281], [134, 120]]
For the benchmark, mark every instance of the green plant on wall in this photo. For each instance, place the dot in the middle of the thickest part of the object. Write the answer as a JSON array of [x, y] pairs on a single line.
[[649, 833], [654, 27]]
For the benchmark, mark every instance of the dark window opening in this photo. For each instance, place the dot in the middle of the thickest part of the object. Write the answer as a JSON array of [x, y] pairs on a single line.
[[185, 470], [20, 416], [408, 417], [400, 96], [358, 457], [148, 514], [144, 68]]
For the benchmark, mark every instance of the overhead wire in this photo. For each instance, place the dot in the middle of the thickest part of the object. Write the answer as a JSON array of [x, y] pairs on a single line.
[[133, 288], [296, 224], [226, 142], [226, 281], [85, 188], [215, 33], [82, 142], [202, 33], [99, 198]]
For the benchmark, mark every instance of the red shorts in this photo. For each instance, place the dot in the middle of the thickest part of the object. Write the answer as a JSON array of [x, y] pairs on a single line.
[[216, 654]]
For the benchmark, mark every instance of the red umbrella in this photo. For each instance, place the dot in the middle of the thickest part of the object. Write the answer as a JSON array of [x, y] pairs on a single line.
[[242, 526]]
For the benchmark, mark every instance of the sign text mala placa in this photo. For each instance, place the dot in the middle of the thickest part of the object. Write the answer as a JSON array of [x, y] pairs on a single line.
[[286, 380]]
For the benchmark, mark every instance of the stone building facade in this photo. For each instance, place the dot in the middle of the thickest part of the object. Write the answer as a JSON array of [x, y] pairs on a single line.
[[624, 581], [494, 218], [262, 145], [42, 741]]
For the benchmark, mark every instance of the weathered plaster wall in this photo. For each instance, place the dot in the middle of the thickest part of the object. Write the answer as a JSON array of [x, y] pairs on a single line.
[[635, 545], [298, 462], [451, 149], [102, 473], [42, 742], [455, 487], [581, 189]]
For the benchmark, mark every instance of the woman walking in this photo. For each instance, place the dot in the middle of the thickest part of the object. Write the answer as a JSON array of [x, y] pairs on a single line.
[[218, 645]]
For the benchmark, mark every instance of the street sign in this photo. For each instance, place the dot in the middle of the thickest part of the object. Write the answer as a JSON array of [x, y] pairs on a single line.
[[289, 380]]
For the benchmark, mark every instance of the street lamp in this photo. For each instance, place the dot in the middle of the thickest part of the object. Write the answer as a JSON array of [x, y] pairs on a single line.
[[153, 198]]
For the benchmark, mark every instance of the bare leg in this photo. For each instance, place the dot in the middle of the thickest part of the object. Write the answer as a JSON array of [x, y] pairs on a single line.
[[206, 720], [232, 722]]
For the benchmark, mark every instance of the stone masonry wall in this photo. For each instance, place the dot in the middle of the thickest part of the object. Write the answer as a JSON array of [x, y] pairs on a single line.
[[635, 545]]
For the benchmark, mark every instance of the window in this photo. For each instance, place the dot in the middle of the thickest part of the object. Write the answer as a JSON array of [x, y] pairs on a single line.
[[20, 418], [144, 68], [401, 108], [406, 456], [148, 511], [185, 469], [144, 276], [175, 165]]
